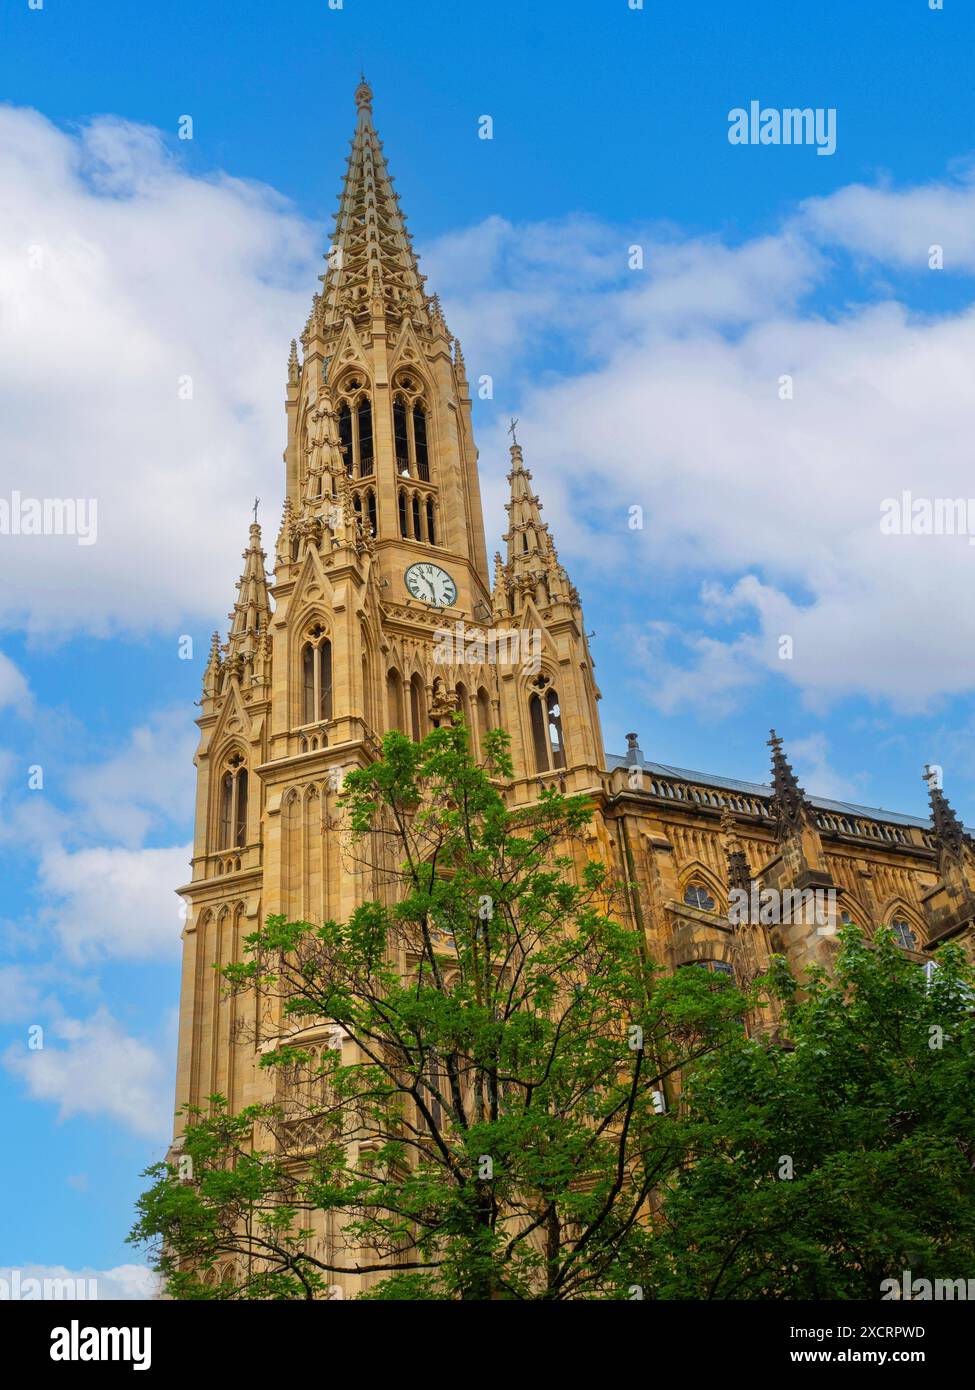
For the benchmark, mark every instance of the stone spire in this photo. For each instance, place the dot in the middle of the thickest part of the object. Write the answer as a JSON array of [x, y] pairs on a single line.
[[212, 673], [948, 830], [789, 804], [532, 568], [372, 268], [250, 617]]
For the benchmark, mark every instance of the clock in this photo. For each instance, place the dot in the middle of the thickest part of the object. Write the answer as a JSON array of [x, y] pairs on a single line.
[[431, 584]]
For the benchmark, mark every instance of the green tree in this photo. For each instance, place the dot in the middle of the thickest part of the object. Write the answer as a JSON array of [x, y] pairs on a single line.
[[819, 1168], [496, 1126]]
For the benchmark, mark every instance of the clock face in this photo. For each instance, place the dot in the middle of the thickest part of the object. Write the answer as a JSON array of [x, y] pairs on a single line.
[[431, 584]]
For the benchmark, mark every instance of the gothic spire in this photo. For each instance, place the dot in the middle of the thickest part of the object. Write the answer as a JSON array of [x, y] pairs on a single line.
[[251, 613], [948, 829], [789, 804], [372, 268], [532, 566], [211, 674]]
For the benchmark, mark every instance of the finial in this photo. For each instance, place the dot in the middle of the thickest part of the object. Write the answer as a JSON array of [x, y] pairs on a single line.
[[511, 430], [257, 501], [774, 742], [363, 94]]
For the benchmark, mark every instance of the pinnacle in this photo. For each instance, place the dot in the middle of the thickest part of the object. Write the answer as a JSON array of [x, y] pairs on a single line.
[[948, 829], [252, 609], [372, 268]]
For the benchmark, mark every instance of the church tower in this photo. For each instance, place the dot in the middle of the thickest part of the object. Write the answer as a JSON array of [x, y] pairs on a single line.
[[379, 614]]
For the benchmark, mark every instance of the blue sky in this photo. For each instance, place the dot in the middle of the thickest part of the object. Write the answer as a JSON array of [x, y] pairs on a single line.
[[656, 388]]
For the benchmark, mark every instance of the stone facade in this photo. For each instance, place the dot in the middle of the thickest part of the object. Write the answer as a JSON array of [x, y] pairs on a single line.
[[344, 641]]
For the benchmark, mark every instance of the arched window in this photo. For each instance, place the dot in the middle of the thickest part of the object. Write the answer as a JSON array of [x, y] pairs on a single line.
[[404, 529], [722, 968], [316, 678], [416, 517], [371, 508], [539, 735], [416, 708], [226, 809], [483, 716], [554, 715], [420, 443], [431, 529], [696, 895], [357, 505], [365, 437], [463, 704], [232, 832], [904, 934], [240, 819], [401, 442], [394, 700], [345, 436]]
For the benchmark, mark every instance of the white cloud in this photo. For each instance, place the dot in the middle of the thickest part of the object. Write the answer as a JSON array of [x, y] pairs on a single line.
[[810, 759], [99, 1071], [678, 409], [899, 226], [148, 783], [14, 690], [120, 274], [114, 902], [665, 393], [130, 1282]]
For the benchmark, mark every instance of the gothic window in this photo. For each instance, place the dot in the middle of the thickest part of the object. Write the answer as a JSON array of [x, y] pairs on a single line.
[[240, 819], [431, 529], [696, 895], [371, 509], [345, 435], [233, 804], [401, 439], [903, 934], [226, 809], [463, 704], [411, 429], [394, 700], [316, 677], [416, 708], [722, 968], [404, 529], [365, 437], [483, 716], [554, 716], [416, 518], [546, 724], [355, 429], [420, 443]]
